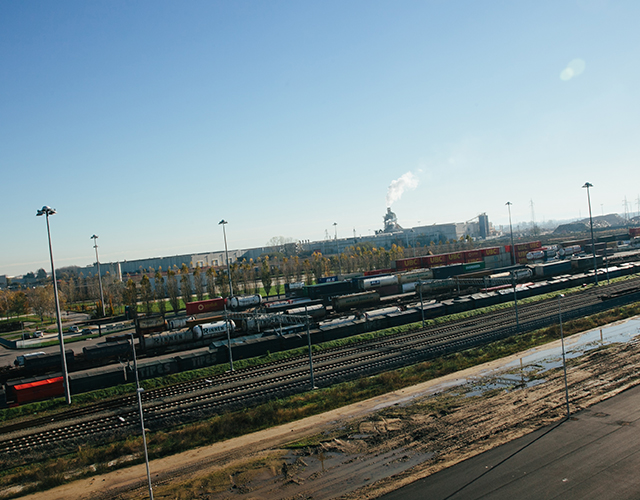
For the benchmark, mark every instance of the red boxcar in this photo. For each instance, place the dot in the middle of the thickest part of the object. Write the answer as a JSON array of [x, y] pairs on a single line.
[[41, 389], [204, 306], [634, 231]]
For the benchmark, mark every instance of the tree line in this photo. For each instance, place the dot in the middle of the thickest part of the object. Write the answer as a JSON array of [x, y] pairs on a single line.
[[155, 291]]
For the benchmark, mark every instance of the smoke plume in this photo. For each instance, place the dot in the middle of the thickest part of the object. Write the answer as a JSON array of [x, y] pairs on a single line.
[[398, 187]]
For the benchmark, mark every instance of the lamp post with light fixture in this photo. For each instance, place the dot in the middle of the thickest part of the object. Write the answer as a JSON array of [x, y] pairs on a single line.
[[226, 253], [95, 245], [139, 391], [513, 249], [564, 361], [588, 185], [47, 211]]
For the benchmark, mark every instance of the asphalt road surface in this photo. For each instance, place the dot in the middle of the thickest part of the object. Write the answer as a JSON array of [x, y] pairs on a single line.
[[593, 455]]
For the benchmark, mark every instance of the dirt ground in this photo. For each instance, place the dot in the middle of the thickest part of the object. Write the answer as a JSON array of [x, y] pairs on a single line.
[[367, 449]]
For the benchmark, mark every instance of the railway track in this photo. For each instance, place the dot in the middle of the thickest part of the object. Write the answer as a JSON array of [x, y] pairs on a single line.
[[194, 400]]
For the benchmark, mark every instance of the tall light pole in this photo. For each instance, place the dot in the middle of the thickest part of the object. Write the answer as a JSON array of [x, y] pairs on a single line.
[[513, 249], [226, 253], [593, 245], [335, 226], [95, 245], [47, 211], [564, 361], [139, 391]]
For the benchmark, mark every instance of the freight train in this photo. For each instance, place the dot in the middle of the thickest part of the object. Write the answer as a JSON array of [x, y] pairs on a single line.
[[289, 337]]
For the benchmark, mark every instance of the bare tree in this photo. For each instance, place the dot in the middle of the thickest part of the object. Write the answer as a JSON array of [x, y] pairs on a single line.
[[41, 301], [185, 284], [265, 276], [146, 294], [173, 290], [277, 271], [160, 292], [222, 282], [131, 298], [198, 283], [211, 282]]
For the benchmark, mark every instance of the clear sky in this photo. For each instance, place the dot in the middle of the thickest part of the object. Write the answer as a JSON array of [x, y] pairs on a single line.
[[147, 122]]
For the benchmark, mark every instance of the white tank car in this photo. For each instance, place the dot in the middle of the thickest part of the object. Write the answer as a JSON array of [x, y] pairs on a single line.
[[378, 282], [208, 330], [245, 301]]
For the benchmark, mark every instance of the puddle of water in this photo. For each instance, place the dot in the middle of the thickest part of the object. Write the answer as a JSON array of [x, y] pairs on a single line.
[[525, 371]]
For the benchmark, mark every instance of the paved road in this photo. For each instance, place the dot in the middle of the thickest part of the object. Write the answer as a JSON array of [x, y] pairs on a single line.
[[594, 455]]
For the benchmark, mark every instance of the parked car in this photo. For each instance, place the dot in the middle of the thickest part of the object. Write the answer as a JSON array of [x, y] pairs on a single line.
[[38, 334]]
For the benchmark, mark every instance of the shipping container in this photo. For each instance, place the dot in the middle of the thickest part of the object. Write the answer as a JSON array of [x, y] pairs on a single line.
[[150, 324], [447, 271], [36, 390], [492, 251], [377, 272], [634, 231], [473, 266], [203, 306], [431, 261], [552, 268], [472, 256], [408, 264], [324, 290], [455, 258], [328, 279]]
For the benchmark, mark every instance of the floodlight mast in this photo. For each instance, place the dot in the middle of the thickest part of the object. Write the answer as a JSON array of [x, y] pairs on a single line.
[[588, 185], [95, 241], [47, 211], [226, 253]]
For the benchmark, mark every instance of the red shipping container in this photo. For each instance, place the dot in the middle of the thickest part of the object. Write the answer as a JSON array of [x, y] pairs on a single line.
[[204, 306], [535, 245], [406, 264], [42, 389], [436, 260], [455, 258], [376, 272], [634, 231], [486, 252], [472, 256]]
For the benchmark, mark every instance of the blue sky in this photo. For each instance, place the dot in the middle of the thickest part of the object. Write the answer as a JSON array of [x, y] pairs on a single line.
[[147, 122]]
